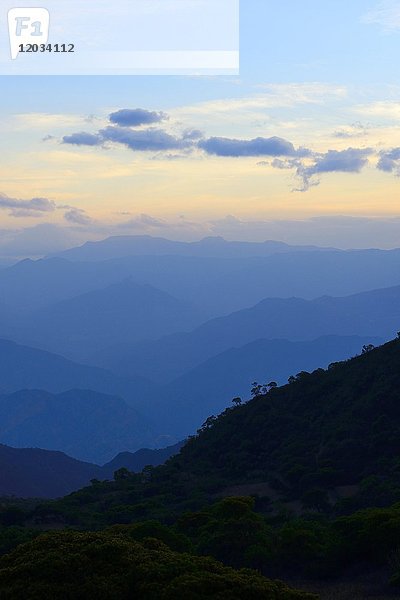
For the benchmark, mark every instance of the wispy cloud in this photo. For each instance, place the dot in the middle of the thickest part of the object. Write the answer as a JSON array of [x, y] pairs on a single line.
[[356, 130], [384, 109], [40, 207], [26, 208], [342, 231], [270, 96], [144, 222], [77, 216], [386, 14], [41, 120]]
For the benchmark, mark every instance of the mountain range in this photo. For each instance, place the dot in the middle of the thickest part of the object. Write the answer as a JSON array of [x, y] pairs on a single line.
[[164, 413], [332, 433], [120, 312], [162, 364], [329, 428], [84, 424], [209, 388], [213, 283], [36, 473], [129, 245], [24, 367], [375, 314]]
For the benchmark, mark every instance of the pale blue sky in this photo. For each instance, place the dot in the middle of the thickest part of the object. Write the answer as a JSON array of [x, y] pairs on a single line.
[[280, 41], [320, 75]]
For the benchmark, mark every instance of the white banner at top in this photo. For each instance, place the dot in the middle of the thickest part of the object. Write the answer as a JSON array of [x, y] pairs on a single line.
[[119, 37]]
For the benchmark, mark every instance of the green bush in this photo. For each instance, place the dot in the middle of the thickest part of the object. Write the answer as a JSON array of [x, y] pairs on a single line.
[[108, 566]]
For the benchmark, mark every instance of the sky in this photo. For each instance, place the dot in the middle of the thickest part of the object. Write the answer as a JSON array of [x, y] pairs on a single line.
[[302, 146]]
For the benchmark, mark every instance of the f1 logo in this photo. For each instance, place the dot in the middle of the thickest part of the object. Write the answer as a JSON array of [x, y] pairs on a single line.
[[27, 25]]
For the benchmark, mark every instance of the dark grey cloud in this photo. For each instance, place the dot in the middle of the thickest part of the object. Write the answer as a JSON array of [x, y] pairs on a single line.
[[273, 146], [351, 160], [83, 139], [389, 161], [133, 129], [127, 117], [26, 208], [143, 140]]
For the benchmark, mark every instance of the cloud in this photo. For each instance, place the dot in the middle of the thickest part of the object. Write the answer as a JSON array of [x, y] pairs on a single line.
[[383, 109], [143, 140], [273, 96], [144, 222], [159, 140], [352, 131], [38, 207], [172, 156], [23, 121], [77, 216], [260, 146], [83, 139], [386, 14], [389, 162], [338, 231], [135, 117], [292, 94], [132, 129], [278, 163], [176, 228], [192, 134], [39, 240], [26, 208], [351, 160]]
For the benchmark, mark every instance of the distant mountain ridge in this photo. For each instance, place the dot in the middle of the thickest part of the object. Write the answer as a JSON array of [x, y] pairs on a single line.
[[216, 285], [25, 367], [37, 473], [121, 311], [175, 409], [330, 428], [375, 314], [210, 387], [136, 461], [84, 424], [327, 441], [136, 245]]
